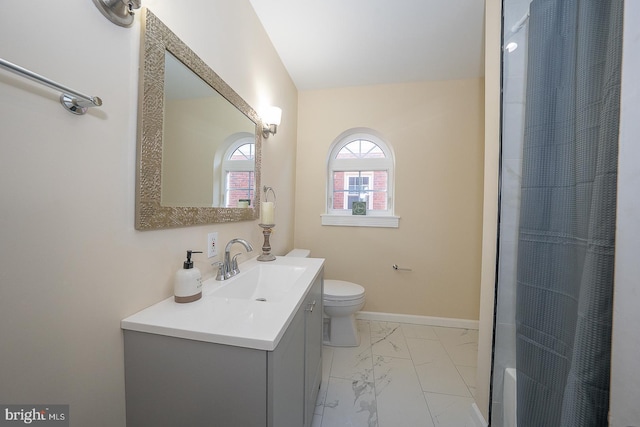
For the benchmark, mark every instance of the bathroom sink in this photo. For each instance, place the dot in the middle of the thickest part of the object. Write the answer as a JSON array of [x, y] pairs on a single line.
[[233, 311], [263, 283]]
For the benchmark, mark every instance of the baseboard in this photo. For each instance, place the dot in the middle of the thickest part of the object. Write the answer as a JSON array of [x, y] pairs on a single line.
[[418, 320], [475, 417]]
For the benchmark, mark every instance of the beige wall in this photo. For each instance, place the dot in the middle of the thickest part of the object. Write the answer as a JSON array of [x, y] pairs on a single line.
[[71, 264], [436, 131]]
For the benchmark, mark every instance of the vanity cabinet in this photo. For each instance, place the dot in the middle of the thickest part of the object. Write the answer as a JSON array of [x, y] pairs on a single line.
[[313, 349], [181, 382]]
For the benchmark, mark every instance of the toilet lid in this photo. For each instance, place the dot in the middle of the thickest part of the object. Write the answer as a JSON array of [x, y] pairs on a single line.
[[341, 290]]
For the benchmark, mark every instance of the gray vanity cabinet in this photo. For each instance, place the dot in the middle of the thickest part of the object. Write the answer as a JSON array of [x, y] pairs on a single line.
[[298, 355], [179, 382], [285, 395], [313, 348]]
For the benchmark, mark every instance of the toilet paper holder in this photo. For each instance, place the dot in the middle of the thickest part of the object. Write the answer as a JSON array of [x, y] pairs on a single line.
[[395, 267]]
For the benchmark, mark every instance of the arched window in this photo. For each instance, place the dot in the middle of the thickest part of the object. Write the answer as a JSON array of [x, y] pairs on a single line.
[[360, 176], [238, 177]]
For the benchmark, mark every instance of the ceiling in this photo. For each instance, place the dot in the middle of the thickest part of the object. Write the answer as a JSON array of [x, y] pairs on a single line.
[[338, 43]]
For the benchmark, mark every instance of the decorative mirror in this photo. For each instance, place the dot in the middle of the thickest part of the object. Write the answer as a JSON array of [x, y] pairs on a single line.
[[199, 142]]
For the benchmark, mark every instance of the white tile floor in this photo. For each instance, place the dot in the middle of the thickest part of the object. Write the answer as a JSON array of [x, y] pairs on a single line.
[[401, 375]]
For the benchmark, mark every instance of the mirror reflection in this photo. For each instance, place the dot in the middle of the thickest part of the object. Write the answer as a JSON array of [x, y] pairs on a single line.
[[208, 149]]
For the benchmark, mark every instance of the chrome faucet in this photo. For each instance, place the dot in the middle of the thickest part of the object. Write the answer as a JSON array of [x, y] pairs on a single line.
[[229, 267]]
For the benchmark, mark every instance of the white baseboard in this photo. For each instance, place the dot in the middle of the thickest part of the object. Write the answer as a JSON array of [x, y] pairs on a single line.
[[418, 320], [475, 417]]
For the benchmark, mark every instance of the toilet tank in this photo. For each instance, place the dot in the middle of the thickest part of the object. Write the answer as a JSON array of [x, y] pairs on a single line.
[[299, 253]]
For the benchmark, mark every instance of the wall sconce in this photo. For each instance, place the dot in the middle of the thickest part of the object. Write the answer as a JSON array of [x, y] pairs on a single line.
[[119, 12], [271, 117]]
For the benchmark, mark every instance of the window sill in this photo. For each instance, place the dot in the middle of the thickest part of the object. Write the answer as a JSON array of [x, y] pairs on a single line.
[[361, 221]]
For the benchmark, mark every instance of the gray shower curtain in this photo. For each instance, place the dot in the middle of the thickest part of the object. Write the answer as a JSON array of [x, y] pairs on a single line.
[[568, 211]]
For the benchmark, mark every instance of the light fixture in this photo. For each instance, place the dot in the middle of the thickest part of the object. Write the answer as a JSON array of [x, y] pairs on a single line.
[[271, 117], [119, 12]]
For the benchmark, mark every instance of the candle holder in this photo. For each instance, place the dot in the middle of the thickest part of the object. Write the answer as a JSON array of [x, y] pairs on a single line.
[[267, 214], [266, 246]]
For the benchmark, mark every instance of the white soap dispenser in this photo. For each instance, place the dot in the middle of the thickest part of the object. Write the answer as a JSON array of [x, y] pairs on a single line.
[[188, 282]]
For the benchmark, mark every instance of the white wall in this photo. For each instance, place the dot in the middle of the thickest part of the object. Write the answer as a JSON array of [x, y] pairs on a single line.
[[493, 14], [513, 99], [71, 264], [625, 375]]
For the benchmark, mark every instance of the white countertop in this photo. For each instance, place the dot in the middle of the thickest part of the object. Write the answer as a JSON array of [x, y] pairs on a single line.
[[230, 321]]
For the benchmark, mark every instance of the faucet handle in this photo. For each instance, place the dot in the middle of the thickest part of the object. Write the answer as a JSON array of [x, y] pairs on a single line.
[[234, 264], [220, 265]]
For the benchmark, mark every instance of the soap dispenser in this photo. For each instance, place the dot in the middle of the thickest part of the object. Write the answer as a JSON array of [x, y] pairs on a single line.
[[188, 282]]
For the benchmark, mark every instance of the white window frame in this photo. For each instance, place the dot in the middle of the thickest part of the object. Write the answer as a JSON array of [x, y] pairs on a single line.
[[373, 218], [222, 163]]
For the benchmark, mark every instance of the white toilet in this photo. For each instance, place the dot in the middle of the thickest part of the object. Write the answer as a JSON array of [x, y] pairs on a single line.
[[341, 301]]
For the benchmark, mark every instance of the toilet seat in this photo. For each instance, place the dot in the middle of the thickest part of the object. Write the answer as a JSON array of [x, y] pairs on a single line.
[[341, 291]]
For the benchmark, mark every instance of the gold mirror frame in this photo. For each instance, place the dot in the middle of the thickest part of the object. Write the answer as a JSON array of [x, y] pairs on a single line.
[[150, 214]]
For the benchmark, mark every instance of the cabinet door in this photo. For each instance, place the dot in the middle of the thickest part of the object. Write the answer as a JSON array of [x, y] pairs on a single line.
[[285, 396], [173, 382], [313, 348]]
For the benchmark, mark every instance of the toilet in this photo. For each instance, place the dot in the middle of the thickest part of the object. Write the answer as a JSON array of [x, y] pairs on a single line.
[[341, 301]]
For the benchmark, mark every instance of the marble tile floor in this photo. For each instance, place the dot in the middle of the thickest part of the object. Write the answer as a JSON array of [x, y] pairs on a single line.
[[401, 375]]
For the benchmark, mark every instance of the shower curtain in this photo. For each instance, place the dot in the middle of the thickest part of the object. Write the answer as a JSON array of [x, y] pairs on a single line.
[[568, 209]]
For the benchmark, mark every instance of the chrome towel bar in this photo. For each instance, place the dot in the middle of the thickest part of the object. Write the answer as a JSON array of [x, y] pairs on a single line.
[[73, 101]]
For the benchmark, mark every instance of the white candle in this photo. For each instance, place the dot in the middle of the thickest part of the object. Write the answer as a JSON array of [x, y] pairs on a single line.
[[268, 212]]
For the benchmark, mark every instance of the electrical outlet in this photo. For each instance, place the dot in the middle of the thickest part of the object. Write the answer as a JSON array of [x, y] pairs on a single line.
[[212, 244]]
